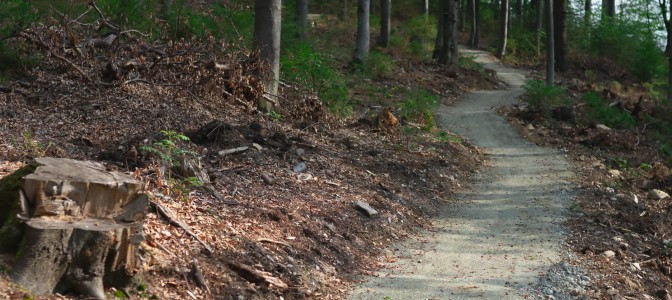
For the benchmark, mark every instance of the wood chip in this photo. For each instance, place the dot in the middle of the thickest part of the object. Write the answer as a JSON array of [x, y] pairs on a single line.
[[365, 208], [233, 151]]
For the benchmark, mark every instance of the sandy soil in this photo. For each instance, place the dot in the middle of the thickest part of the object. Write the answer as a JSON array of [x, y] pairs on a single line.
[[504, 232]]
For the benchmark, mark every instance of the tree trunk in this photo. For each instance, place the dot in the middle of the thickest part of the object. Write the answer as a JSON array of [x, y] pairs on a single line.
[[302, 17], [609, 8], [267, 21], [588, 12], [363, 32], [462, 8], [560, 34], [385, 23], [81, 227], [664, 9], [438, 42], [453, 46], [344, 9], [473, 15], [519, 10], [539, 24], [477, 35], [425, 8], [372, 7], [550, 47], [503, 28]]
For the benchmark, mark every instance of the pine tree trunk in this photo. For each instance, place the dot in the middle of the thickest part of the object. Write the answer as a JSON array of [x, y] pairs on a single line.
[[438, 42], [267, 21], [611, 8], [453, 46], [539, 24], [503, 29], [385, 23], [588, 12], [363, 32], [550, 47], [477, 35], [560, 34], [473, 15], [302, 17], [461, 6], [519, 10], [425, 8]]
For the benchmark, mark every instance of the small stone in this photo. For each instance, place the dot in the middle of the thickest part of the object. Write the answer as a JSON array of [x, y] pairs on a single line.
[[257, 146], [602, 127], [304, 177], [614, 173], [657, 194], [612, 292], [609, 253], [530, 127], [636, 266], [300, 152], [365, 208], [266, 178], [300, 167]]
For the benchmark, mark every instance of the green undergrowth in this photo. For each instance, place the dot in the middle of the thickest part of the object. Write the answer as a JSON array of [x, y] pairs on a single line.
[[542, 97], [419, 106], [599, 111]]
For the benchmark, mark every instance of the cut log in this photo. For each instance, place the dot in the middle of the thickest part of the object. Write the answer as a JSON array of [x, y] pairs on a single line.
[[80, 226]]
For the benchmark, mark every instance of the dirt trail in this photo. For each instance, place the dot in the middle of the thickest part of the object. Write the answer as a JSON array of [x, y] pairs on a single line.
[[504, 233]]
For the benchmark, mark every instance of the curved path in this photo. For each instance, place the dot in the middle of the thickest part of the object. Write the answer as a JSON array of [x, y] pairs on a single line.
[[505, 232]]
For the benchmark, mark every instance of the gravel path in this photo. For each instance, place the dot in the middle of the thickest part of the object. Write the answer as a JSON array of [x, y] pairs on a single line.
[[504, 234]]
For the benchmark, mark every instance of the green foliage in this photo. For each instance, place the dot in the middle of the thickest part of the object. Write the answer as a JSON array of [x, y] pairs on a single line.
[[599, 111], [541, 97], [419, 106], [380, 65], [444, 136], [168, 149], [301, 63]]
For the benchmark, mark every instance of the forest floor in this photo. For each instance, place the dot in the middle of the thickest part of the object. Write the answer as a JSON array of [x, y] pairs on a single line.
[[276, 231], [279, 231]]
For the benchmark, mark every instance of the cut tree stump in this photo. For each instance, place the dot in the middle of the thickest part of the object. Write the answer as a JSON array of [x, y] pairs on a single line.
[[77, 226]]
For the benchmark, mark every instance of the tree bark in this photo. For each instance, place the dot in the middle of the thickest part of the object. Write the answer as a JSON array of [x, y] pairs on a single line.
[[438, 42], [588, 12], [267, 21], [372, 7], [302, 17], [453, 46], [425, 8], [611, 8], [473, 15], [539, 24], [503, 28], [461, 6], [385, 23], [82, 230], [363, 32], [560, 34], [550, 47], [519, 10], [664, 10]]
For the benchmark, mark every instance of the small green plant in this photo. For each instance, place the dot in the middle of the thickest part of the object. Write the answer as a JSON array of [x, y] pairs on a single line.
[[419, 106], [469, 62], [645, 167], [168, 149], [444, 136], [275, 116], [600, 112], [541, 97], [380, 65]]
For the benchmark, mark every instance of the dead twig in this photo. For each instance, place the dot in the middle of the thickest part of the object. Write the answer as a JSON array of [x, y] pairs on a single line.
[[271, 241], [175, 221]]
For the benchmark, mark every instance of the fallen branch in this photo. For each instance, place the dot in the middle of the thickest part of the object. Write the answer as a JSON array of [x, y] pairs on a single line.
[[255, 276], [267, 240], [197, 274], [175, 221]]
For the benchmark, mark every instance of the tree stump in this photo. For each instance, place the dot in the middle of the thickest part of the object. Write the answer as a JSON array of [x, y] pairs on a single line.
[[73, 225]]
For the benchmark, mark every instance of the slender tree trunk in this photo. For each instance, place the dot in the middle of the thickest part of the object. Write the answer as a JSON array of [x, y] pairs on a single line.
[[550, 47], [560, 34], [267, 21], [477, 36], [363, 31], [519, 11], [461, 6], [453, 16], [302, 17], [503, 28], [664, 9], [539, 24], [425, 8], [588, 12], [472, 15], [611, 8], [344, 9], [438, 42], [372, 7], [385, 23]]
